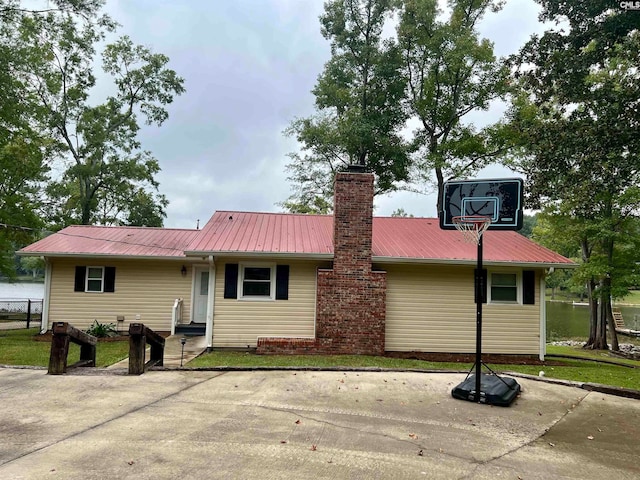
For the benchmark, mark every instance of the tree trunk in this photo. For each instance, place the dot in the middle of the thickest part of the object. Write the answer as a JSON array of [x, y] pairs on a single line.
[[600, 342], [593, 313]]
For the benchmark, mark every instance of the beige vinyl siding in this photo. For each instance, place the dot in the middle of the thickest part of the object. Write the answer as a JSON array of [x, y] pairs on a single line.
[[239, 323], [143, 287], [432, 309]]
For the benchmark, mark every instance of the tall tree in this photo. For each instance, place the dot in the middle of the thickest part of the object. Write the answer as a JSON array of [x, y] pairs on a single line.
[[450, 72], [359, 101], [578, 118], [106, 172]]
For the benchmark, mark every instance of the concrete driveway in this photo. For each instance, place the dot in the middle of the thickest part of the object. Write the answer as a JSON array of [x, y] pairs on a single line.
[[305, 425]]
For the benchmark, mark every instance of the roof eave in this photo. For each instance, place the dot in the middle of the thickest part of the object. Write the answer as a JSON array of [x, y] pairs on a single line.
[[99, 255], [237, 253], [473, 262]]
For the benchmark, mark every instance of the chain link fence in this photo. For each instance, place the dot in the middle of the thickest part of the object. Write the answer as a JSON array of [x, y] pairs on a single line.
[[20, 313]]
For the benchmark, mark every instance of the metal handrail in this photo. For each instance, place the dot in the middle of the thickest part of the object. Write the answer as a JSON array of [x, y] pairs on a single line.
[[176, 314]]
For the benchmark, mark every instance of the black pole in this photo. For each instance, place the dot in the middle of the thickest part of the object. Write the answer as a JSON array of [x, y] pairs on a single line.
[[479, 297], [28, 313]]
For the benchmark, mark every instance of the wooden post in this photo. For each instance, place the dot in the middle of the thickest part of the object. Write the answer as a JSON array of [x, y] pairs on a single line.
[[137, 344], [139, 336], [59, 352], [63, 333]]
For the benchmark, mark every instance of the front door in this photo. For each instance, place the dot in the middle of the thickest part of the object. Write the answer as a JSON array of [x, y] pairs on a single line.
[[201, 295]]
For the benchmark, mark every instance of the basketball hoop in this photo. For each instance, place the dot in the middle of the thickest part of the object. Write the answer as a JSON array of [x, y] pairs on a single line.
[[472, 226]]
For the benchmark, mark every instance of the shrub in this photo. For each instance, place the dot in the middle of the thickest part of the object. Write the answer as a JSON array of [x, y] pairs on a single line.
[[102, 330]]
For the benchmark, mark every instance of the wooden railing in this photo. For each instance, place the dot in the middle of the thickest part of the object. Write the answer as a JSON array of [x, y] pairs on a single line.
[[176, 314], [63, 334], [139, 337]]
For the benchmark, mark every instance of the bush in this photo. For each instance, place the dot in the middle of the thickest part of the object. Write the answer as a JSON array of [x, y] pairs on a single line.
[[102, 330]]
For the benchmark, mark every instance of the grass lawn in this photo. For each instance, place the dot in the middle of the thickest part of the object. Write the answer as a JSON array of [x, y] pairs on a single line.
[[632, 298], [17, 347]]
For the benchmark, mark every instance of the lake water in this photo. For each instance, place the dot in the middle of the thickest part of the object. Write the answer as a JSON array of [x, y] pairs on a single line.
[[21, 291], [567, 320]]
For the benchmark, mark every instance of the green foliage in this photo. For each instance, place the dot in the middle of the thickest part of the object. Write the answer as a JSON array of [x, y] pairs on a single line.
[[102, 330], [434, 70], [400, 212], [450, 72], [578, 122], [359, 99], [107, 177]]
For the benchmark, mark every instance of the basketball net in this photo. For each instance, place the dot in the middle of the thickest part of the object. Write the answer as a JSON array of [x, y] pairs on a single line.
[[472, 226]]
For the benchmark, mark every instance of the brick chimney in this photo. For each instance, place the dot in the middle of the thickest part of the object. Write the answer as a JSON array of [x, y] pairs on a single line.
[[351, 298]]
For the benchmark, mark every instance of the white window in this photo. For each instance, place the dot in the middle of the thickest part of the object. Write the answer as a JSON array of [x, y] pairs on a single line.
[[256, 282], [503, 287], [95, 279]]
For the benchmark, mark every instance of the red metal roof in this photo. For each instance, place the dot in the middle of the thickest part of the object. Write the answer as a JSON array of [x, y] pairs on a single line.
[[395, 239], [114, 241], [265, 232]]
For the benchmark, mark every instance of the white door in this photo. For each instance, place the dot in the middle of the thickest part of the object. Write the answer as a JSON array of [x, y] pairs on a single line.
[[201, 295]]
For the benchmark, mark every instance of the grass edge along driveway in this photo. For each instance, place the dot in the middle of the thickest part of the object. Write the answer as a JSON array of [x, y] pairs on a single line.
[[17, 347]]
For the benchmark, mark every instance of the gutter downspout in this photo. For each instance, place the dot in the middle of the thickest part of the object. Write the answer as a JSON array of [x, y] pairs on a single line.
[[44, 323], [543, 318], [210, 302]]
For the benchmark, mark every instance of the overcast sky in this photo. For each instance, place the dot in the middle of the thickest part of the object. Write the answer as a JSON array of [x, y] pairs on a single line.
[[249, 67]]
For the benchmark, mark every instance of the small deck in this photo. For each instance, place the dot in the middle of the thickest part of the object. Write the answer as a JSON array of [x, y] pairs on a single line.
[[621, 328]]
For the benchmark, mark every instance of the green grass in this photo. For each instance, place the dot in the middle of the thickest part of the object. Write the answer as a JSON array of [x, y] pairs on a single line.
[[246, 359], [633, 298], [17, 347], [574, 370]]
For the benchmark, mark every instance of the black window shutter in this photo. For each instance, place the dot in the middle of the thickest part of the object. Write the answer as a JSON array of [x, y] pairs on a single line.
[[109, 279], [231, 280], [529, 287], [81, 273], [482, 279], [282, 282]]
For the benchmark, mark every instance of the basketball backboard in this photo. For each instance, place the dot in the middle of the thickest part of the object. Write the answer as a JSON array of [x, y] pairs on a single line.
[[500, 199]]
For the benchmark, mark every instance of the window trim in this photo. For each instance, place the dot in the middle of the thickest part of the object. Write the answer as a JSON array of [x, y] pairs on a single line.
[[272, 282], [518, 285], [86, 279]]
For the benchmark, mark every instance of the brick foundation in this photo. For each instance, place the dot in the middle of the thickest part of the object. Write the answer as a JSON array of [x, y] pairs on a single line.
[[351, 298]]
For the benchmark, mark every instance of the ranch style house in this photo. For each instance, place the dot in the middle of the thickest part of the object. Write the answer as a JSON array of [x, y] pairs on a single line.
[[347, 283]]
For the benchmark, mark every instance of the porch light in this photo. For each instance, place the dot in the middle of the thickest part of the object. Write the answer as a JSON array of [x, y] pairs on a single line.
[[183, 271]]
